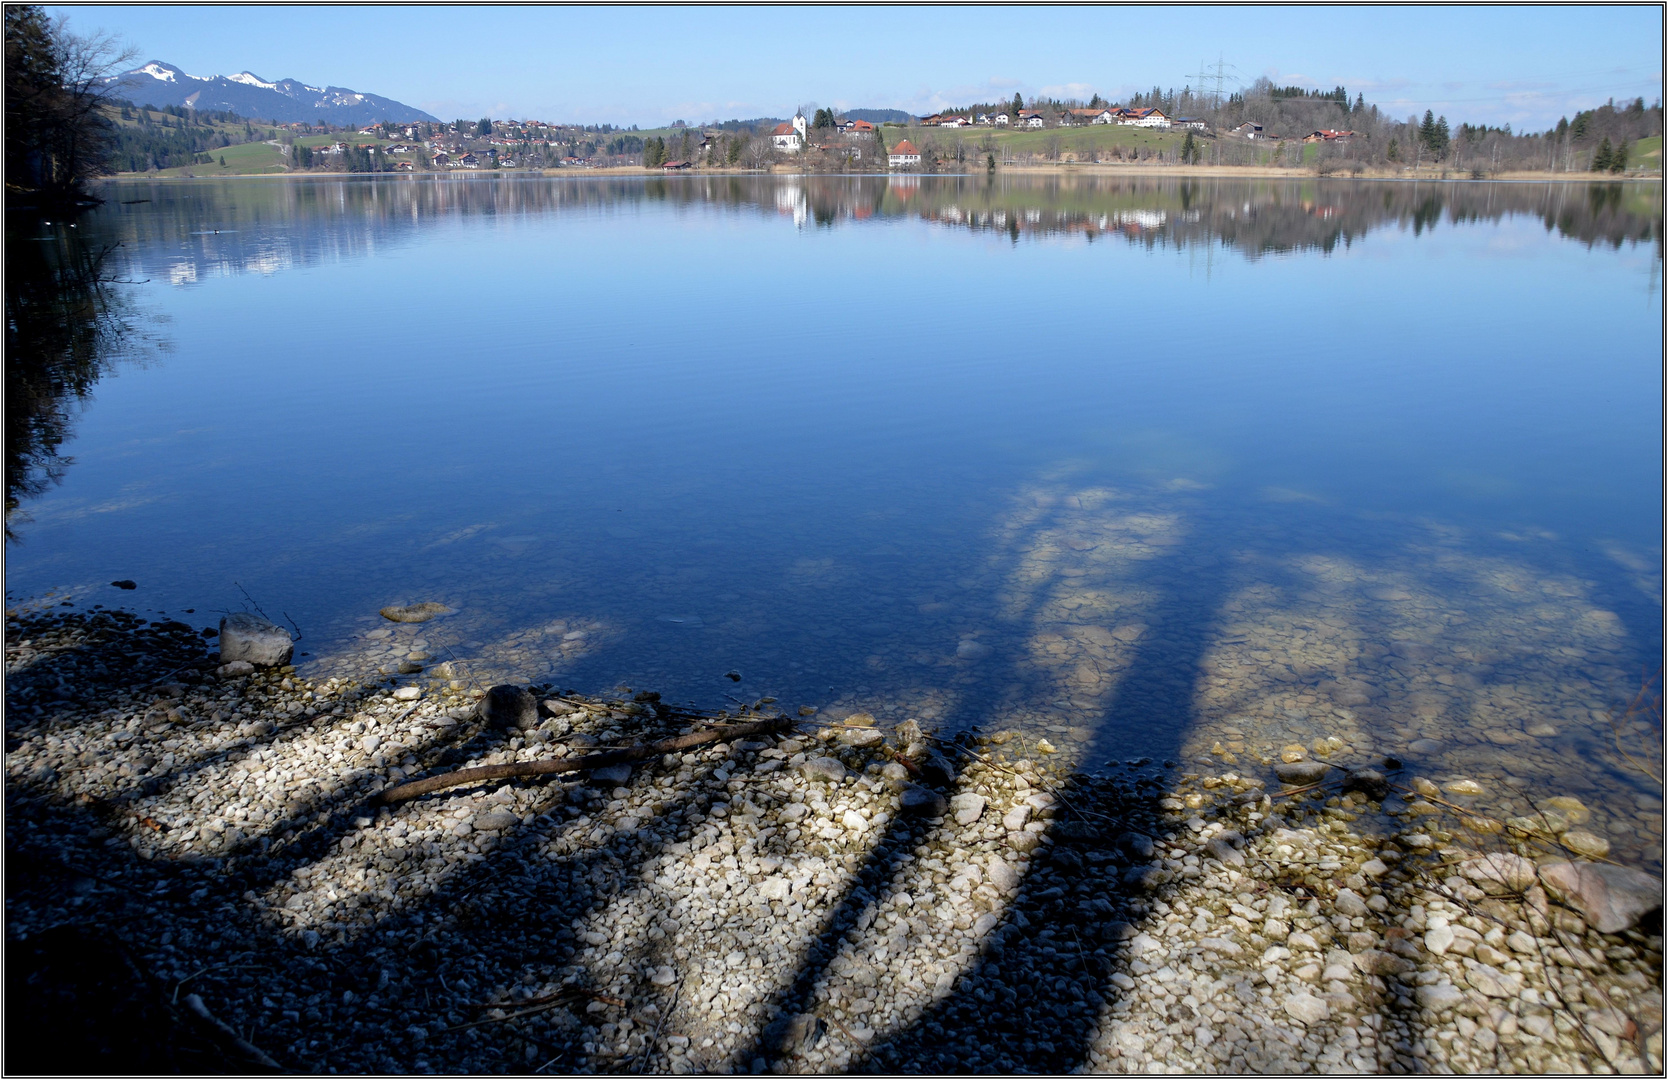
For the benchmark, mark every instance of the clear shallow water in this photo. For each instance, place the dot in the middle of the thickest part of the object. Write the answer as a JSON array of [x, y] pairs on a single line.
[[1149, 466]]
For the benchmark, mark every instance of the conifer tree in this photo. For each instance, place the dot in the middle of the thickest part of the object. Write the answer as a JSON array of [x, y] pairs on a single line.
[[1618, 160], [1601, 159]]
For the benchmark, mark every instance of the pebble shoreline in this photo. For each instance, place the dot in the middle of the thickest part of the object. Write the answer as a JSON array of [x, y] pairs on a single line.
[[843, 898]]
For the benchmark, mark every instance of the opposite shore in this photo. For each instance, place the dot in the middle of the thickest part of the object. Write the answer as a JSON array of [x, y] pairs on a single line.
[[1226, 172]]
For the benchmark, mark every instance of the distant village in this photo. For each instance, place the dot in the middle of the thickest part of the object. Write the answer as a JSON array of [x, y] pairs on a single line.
[[513, 144]]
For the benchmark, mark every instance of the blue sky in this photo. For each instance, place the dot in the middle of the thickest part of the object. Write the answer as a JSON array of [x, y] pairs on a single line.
[[648, 65]]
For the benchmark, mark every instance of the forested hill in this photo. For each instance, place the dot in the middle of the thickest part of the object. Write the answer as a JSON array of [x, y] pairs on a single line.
[[286, 101], [877, 116]]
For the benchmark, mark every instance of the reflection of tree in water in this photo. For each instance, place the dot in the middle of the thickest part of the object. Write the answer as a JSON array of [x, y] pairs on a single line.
[[64, 325], [274, 227]]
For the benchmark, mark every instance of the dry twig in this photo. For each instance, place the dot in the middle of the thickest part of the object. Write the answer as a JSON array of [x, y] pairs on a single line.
[[546, 767]]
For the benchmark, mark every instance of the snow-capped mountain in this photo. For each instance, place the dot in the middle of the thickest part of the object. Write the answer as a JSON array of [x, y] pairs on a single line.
[[286, 101]]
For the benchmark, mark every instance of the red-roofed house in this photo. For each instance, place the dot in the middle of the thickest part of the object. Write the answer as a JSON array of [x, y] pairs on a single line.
[[903, 154], [1148, 118]]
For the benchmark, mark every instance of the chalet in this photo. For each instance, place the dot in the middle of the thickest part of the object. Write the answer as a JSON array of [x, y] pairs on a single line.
[[1328, 135], [955, 121], [1030, 118], [1089, 116], [469, 161], [440, 159], [932, 121], [1147, 118], [1000, 119], [857, 127], [1189, 122], [790, 137], [404, 166], [903, 154], [1248, 130], [673, 166]]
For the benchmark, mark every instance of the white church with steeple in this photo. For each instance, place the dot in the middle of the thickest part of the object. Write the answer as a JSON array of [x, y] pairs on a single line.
[[790, 137]]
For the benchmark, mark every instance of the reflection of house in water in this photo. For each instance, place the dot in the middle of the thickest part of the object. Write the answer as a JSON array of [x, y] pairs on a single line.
[[905, 187], [790, 199], [332, 221], [1141, 219]]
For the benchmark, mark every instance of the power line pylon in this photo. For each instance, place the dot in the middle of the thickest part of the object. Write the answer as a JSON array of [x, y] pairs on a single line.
[[1212, 80]]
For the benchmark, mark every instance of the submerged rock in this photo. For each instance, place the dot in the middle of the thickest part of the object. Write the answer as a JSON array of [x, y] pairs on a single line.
[[1369, 782], [248, 637], [1585, 843], [414, 613], [1298, 773]]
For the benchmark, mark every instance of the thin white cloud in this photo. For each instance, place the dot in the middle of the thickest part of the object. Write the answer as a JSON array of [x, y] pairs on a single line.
[[1069, 90]]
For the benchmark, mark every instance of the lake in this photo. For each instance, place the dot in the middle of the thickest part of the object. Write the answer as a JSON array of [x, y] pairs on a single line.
[[1169, 468]]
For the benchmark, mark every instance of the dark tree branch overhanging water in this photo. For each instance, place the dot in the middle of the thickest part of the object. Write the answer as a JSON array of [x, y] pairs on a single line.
[[57, 136]]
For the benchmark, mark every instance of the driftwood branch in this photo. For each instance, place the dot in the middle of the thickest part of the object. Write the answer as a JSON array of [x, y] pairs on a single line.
[[481, 773], [224, 1033]]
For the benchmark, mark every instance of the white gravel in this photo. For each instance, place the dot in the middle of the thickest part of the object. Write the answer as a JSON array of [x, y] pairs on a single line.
[[795, 904]]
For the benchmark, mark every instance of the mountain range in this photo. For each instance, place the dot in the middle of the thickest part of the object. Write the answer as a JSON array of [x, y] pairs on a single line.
[[286, 101]]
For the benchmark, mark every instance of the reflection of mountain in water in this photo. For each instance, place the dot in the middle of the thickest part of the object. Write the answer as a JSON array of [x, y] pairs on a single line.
[[187, 233]]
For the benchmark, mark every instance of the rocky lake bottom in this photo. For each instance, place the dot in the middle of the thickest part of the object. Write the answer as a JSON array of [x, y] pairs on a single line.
[[200, 878]]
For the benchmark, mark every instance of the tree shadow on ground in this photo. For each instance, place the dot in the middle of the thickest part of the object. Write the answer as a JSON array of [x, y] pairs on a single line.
[[1031, 1000]]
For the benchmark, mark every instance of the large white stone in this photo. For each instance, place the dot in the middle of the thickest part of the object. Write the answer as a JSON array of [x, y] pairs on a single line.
[[1500, 872], [1611, 898], [250, 638], [967, 807], [1307, 1009]]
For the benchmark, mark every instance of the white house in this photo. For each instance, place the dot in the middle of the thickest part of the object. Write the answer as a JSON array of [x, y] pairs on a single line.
[[903, 154], [1030, 119], [1147, 118], [790, 137], [1000, 119], [1189, 122]]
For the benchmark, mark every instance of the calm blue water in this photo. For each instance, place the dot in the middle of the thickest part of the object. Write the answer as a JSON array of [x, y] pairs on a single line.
[[826, 431]]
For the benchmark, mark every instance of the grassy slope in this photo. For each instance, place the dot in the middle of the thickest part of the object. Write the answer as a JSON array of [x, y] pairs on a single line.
[[1646, 152], [249, 159]]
